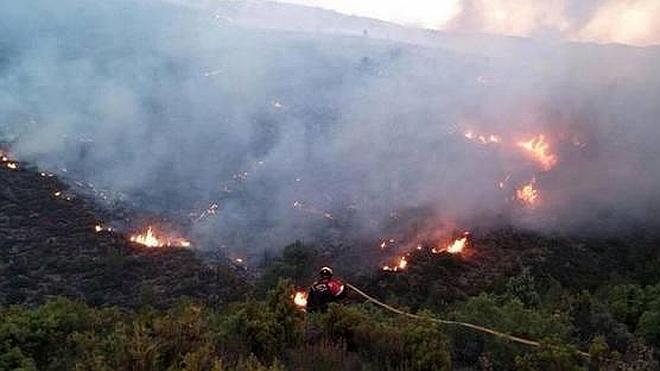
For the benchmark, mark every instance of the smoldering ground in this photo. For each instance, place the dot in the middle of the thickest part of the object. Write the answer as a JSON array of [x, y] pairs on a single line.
[[294, 134]]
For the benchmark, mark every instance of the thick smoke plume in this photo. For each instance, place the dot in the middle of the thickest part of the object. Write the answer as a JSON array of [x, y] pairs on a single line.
[[294, 134]]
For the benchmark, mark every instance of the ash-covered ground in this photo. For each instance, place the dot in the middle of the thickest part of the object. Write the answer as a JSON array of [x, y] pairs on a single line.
[[50, 247]]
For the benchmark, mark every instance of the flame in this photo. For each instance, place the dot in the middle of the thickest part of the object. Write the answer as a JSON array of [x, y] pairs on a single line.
[[455, 247], [9, 164], [300, 299], [150, 239], [480, 138], [98, 228], [403, 263], [539, 150], [528, 195]]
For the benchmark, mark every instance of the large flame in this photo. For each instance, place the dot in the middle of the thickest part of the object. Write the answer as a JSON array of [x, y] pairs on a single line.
[[539, 150], [457, 245], [528, 194], [300, 299], [150, 239]]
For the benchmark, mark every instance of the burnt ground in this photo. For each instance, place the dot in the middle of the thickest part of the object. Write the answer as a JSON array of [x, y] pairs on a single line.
[[48, 247], [572, 262]]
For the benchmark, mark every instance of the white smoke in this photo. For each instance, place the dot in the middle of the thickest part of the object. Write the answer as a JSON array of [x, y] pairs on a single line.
[[632, 22], [296, 133]]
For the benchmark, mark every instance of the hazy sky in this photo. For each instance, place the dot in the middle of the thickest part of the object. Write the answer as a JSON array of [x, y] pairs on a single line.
[[633, 22]]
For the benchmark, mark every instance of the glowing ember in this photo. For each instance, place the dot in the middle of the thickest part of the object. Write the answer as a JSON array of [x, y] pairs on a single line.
[[403, 263], [502, 183], [300, 299], [386, 243], [539, 149], [150, 239], [528, 195], [483, 139], [211, 210]]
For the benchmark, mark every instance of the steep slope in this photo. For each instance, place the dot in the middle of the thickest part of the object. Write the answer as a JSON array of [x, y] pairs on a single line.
[[49, 247]]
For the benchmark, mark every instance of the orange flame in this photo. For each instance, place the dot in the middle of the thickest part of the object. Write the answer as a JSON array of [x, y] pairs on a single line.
[[300, 299], [457, 246], [539, 150], [9, 163], [403, 263], [150, 239], [528, 195]]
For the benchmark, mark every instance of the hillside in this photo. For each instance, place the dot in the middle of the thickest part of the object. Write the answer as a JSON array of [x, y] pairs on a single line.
[[175, 173], [50, 248]]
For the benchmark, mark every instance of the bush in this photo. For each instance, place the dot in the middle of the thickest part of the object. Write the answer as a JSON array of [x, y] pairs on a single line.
[[507, 316], [296, 264], [388, 343]]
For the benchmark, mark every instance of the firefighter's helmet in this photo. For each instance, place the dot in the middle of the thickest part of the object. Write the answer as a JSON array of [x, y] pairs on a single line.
[[326, 272]]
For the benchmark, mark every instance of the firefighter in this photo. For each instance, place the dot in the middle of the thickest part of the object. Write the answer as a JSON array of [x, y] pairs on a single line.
[[324, 291]]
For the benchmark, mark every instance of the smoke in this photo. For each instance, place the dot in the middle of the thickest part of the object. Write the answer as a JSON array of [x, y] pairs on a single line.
[[630, 22], [317, 136]]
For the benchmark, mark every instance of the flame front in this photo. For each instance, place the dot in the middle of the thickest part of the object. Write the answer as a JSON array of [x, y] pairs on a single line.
[[528, 195], [300, 299], [150, 239], [147, 239], [539, 150]]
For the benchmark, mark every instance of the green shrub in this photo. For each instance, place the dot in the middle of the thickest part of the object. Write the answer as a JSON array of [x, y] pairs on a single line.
[[387, 342]]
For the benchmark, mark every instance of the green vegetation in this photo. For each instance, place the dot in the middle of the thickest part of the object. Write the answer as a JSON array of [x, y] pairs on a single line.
[[617, 325]]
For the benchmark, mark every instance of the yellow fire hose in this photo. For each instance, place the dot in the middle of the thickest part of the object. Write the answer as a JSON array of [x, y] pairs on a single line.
[[515, 339]]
